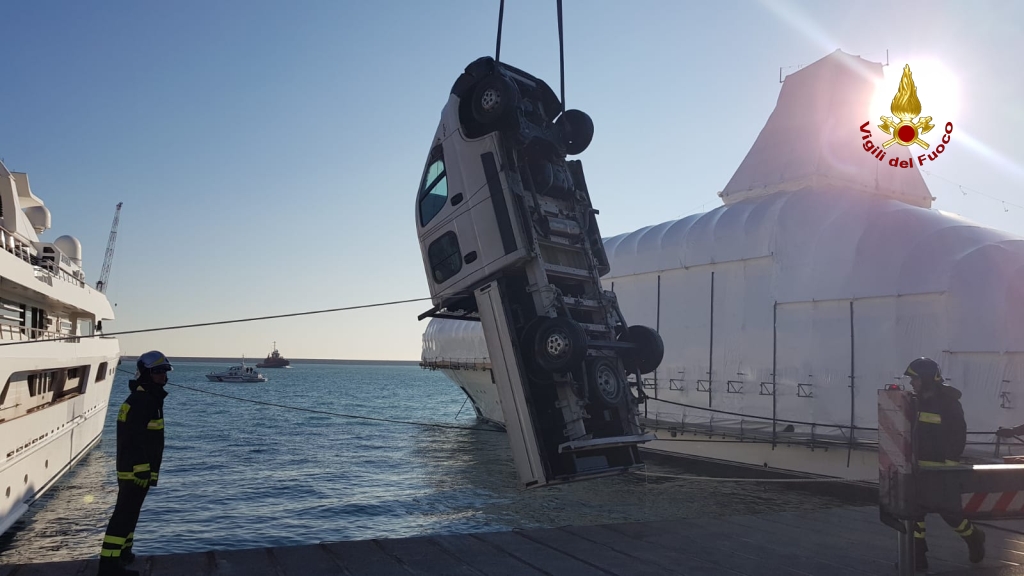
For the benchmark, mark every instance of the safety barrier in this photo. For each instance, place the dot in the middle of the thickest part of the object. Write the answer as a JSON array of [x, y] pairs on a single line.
[[907, 491]]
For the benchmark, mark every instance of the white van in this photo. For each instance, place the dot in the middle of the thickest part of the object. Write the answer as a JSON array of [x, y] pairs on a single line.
[[509, 238]]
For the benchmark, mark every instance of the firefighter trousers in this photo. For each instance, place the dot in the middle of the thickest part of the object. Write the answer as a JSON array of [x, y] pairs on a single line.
[[963, 527], [121, 529]]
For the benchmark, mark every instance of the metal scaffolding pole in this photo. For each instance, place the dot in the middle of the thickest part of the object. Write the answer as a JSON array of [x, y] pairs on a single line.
[[853, 381], [711, 338]]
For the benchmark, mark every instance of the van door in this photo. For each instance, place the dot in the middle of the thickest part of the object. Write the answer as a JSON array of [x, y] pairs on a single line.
[[465, 207]]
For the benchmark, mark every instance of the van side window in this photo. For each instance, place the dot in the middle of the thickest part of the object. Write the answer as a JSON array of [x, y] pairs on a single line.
[[433, 187], [445, 257]]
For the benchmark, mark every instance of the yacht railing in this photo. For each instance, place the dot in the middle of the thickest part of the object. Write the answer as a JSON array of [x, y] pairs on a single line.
[[19, 333], [46, 269], [15, 246], [49, 267]]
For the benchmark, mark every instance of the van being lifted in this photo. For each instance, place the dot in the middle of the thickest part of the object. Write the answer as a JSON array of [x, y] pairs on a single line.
[[509, 238]]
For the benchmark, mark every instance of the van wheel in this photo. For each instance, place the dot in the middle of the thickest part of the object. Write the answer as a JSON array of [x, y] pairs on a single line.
[[527, 341], [560, 344], [607, 382], [577, 130], [647, 356], [494, 100]]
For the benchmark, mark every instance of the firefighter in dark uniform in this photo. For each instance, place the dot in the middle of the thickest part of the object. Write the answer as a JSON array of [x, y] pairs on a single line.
[[140, 448], [940, 436]]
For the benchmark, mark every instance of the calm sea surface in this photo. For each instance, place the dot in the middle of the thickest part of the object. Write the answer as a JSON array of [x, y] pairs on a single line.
[[242, 475]]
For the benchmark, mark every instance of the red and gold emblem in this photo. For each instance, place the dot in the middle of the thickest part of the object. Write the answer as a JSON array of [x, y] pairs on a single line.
[[909, 125]]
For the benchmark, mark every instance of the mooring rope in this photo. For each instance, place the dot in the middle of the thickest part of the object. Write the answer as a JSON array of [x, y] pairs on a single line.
[[327, 413], [215, 323]]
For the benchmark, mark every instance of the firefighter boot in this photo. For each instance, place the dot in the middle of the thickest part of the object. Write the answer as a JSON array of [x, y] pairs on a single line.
[[976, 545], [127, 557], [920, 555], [113, 567]]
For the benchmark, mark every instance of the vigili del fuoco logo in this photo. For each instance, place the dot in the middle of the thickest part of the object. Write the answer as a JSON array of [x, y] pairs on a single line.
[[906, 128]]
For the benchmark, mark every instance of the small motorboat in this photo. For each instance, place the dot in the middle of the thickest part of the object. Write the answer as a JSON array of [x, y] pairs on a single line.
[[239, 373]]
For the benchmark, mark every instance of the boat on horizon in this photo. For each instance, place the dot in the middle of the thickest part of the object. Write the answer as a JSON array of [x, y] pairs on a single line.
[[274, 360], [237, 373], [55, 386]]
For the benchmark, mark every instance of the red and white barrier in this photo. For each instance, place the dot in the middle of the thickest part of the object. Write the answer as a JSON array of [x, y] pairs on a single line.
[[895, 427], [995, 503], [895, 450]]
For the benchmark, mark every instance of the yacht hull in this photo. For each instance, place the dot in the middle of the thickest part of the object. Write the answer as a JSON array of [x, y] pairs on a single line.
[[38, 448]]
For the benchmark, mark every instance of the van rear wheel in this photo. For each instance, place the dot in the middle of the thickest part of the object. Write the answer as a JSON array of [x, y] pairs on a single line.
[[607, 382], [559, 344]]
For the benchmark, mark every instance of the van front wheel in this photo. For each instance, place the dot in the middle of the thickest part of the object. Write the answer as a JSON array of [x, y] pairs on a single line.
[[494, 100]]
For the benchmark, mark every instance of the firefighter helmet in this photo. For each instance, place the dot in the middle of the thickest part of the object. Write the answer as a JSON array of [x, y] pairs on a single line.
[[926, 369], [153, 361]]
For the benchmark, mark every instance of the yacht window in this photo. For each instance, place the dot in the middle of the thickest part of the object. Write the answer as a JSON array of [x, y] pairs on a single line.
[[445, 257], [434, 186], [85, 327], [41, 383]]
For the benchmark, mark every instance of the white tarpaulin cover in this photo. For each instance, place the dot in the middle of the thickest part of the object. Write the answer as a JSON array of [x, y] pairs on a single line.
[[812, 139], [454, 340], [821, 277]]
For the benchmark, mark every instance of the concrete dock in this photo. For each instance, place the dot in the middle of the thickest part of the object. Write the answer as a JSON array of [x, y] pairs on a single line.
[[835, 542]]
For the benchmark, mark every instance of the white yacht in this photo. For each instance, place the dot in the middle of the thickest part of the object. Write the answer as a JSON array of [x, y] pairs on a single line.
[[237, 373], [54, 385], [784, 310]]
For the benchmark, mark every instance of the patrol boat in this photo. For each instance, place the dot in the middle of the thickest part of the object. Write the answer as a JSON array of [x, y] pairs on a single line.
[[237, 373], [54, 384]]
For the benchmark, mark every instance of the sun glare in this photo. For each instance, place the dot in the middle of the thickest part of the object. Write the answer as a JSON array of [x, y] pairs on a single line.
[[937, 90]]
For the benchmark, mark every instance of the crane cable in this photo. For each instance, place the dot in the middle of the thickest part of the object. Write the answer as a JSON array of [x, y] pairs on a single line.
[[561, 44], [501, 18], [561, 54]]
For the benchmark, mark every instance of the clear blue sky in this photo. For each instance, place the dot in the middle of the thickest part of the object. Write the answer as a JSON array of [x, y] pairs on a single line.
[[267, 153]]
